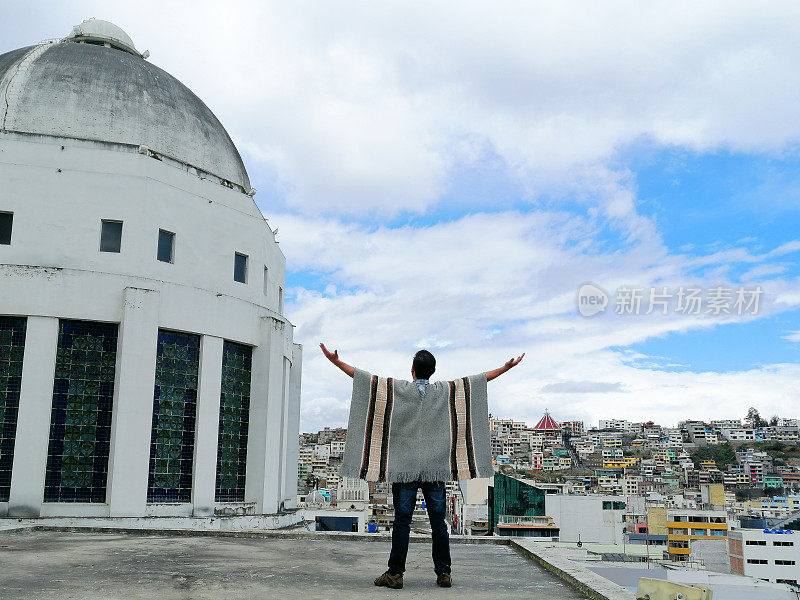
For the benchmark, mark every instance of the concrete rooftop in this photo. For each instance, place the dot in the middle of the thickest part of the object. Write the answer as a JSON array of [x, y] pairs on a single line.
[[60, 565]]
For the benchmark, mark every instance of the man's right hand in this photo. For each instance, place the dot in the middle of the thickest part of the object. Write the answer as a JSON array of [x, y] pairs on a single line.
[[508, 365], [334, 358], [331, 356]]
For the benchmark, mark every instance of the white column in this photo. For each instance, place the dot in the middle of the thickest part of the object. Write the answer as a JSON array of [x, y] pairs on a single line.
[[33, 418], [264, 434], [132, 416], [293, 428], [207, 426], [279, 444]]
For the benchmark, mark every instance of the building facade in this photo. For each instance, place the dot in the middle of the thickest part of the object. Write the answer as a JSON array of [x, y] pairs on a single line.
[[684, 526], [592, 518], [770, 554], [146, 366]]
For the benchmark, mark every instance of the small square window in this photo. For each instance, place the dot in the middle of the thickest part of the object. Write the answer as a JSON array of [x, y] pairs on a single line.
[[166, 246], [110, 236], [240, 268], [6, 221]]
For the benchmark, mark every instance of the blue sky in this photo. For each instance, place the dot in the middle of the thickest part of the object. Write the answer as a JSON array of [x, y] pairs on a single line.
[[709, 201], [446, 176]]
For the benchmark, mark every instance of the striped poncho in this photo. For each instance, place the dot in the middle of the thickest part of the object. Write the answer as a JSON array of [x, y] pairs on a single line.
[[395, 434]]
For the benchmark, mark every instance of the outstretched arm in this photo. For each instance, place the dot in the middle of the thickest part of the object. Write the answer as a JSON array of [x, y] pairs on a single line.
[[509, 365], [334, 358]]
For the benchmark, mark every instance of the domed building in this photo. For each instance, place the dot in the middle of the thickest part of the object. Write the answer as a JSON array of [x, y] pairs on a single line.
[[548, 427], [146, 366]]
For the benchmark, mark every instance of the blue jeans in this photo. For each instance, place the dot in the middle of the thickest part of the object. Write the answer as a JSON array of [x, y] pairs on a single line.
[[405, 495]]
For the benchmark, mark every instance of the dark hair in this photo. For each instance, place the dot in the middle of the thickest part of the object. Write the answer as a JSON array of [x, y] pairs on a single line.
[[424, 364]]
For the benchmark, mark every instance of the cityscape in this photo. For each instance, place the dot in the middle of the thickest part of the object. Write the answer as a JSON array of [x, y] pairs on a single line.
[[719, 497]]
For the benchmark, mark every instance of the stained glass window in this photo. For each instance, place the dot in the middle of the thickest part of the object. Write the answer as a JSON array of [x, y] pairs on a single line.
[[80, 424], [234, 413], [12, 346], [174, 412]]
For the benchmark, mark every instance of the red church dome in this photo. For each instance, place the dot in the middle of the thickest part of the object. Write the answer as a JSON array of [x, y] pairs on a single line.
[[546, 423]]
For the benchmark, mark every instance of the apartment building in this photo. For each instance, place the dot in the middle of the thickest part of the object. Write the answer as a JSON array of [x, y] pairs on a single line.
[[322, 451], [608, 483], [735, 477], [616, 424], [501, 426], [592, 518], [620, 463], [576, 427], [337, 448], [630, 485], [720, 424], [738, 434], [770, 554], [611, 441], [674, 438], [306, 455], [683, 526], [696, 430]]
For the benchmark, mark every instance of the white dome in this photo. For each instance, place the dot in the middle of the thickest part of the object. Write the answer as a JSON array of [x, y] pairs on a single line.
[[95, 30], [78, 88]]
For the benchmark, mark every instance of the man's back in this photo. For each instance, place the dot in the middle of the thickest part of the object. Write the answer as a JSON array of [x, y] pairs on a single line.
[[396, 434]]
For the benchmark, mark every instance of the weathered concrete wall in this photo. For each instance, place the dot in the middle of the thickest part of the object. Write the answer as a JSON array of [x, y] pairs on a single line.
[[91, 92]]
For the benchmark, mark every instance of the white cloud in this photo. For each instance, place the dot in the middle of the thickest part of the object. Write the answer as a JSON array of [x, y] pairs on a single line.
[[486, 287], [355, 107], [792, 336], [583, 387]]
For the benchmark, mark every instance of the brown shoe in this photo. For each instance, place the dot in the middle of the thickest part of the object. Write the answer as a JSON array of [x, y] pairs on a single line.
[[444, 580], [391, 581]]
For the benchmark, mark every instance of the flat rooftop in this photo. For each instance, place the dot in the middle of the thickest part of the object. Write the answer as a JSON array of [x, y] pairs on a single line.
[[60, 565]]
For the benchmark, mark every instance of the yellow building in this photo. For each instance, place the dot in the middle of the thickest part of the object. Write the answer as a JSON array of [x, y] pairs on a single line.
[[713, 494], [657, 520], [306, 455], [620, 463], [686, 525], [662, 456]]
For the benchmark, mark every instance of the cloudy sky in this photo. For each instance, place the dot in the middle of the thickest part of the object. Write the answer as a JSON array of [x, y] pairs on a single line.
[[448, 174]]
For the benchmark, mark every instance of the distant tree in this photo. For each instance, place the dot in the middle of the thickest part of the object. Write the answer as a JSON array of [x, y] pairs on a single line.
[[774, 421], [754, 419], [723, 455]]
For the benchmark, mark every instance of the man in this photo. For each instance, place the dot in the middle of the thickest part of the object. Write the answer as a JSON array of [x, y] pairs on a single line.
[[415, 435]]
